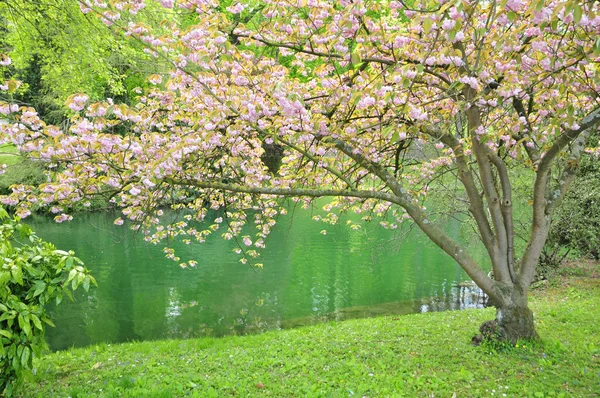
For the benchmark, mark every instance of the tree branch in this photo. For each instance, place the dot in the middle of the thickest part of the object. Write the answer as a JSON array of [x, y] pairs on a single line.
[[542, 206]]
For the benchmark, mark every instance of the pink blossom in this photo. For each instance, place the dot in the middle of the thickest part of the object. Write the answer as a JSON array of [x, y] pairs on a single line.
[[236, 9], [515, 5], [62, 218], [417, 114], [448, 24], [365, 102]]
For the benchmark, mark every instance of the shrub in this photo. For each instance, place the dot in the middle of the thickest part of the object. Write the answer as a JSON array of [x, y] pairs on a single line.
[[32, 273], [576, 224]]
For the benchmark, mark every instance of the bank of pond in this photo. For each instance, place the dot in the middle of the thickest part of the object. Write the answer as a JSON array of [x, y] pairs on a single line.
[[417, 355]]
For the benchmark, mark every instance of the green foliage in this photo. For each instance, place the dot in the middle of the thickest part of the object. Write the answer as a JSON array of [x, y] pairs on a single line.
[[32, 273], [26, 172], [419, 355], [57, 51], [576, 224]]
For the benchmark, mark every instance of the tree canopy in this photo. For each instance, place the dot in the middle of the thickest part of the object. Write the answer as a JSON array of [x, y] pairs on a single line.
[[366, 102]]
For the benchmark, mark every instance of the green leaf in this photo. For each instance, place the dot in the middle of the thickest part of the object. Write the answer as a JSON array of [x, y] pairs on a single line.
[[24, 325], [25, 356], [72, 275], [427, 24], [7, 316], [569, 6], [4, 277], [512, 16], [577, 13], [40, 287], [12, 86], [6, 333], [17, 274], [540, 4], [48, 321], [36, 321]]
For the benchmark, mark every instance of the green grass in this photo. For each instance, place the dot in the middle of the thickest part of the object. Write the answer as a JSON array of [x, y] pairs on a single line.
[[416, 355], [8, 155]]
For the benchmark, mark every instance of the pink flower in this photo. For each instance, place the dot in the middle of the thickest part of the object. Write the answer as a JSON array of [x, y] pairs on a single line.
[[515, 5], [236, 9], [448, 24], [62, 218]]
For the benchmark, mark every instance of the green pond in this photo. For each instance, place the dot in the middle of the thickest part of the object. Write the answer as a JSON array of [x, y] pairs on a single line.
[[308, 277]]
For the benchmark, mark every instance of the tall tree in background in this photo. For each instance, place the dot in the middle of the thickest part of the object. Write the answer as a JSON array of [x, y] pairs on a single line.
[[57, 51], [365, 102]]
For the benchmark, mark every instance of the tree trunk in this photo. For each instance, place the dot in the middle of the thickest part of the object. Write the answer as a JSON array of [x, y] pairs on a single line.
[[515, 323], [514, 320]]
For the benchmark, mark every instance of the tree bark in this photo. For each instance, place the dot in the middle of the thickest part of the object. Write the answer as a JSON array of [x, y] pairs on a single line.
[[514, 319]]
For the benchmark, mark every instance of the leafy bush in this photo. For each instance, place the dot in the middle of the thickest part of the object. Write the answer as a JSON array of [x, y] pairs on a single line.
[[576, 224], [32, 273]]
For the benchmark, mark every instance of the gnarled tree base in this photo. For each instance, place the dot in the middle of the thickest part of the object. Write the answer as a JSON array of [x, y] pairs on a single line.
[[512, 323]]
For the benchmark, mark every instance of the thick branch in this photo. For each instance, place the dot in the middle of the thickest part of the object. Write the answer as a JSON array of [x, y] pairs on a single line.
[[499, 260], [476, 207], [507, 212], [542, 207], [289, 192]]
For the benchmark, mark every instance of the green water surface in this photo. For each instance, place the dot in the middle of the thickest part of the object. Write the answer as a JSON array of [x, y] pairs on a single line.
[[308, 277]]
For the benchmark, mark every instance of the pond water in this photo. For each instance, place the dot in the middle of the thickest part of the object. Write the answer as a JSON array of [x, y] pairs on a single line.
[[308, 277]]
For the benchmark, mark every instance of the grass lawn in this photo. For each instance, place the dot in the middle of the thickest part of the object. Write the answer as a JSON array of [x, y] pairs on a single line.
[[8, 155], [421, 355]]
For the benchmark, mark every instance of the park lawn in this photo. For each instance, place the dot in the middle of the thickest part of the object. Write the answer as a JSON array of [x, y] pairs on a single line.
[[415, 355], [8, 155]]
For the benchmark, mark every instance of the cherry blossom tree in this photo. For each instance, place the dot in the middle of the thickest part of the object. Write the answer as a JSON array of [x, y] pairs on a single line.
[[363, 102]]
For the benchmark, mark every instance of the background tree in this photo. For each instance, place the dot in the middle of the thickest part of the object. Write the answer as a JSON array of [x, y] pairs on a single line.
[[368, 103], [57, 51]]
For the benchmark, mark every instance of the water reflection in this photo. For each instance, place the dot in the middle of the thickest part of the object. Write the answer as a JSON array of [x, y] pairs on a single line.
[[460, 297], [308, 278]]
